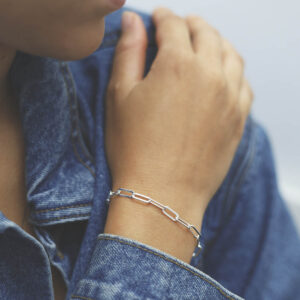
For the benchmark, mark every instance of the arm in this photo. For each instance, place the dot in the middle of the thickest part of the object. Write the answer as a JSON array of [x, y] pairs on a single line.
[[184, 96], [147, 224], [125, 265]]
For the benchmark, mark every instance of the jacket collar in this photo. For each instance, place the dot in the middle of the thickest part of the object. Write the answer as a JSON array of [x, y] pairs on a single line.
[[59, 174]]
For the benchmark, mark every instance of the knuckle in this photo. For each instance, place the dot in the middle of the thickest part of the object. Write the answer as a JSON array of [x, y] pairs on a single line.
[[230, 49], [192, 17], [172, 21], [195, 20], [241, 60], [211, 37], [176, 19], [251, 94], [235, 55], [214, 31], [178, 56], [200, 23], [226, 45]]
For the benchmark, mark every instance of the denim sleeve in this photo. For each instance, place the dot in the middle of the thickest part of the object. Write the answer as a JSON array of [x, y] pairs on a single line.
[[122, 268], [253, 248]]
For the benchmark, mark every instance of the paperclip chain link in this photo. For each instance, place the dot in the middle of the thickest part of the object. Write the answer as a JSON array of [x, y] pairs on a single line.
[[166, 210]]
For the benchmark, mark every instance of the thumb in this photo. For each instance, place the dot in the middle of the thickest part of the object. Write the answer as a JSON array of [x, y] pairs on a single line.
[[129, 61]]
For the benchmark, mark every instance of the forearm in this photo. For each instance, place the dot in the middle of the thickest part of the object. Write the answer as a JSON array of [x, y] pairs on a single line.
[[147, 224]]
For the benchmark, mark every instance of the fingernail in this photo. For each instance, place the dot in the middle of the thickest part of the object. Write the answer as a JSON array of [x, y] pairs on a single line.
[[127, 20]]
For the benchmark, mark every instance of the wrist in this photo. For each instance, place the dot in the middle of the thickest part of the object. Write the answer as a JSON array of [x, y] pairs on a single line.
[[184, 201], [147, 223]]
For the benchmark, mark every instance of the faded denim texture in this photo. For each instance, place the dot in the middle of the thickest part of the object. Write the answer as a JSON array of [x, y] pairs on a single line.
[[252, 249]]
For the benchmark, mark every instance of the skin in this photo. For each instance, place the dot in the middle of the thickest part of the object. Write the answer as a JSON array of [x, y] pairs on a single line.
[[62, 29], [172, 135], [65, 29], [196, 88]]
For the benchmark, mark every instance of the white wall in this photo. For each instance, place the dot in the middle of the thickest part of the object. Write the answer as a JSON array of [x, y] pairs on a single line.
[[267, 34]]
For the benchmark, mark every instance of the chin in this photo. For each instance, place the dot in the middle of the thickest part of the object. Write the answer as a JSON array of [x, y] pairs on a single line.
[[68, 45], [79, 47], [77, 52]]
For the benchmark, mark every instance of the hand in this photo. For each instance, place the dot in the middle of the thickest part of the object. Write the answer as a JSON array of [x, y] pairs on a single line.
[[176, 131], [172, 135]]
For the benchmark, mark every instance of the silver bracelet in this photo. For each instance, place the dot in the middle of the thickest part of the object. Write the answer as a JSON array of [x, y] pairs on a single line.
[[175, 218]]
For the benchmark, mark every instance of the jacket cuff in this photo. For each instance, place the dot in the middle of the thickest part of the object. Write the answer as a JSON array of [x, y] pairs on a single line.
[[122, 268]]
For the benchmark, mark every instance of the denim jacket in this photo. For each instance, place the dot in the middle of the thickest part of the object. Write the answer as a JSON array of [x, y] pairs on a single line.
[[252, 249]]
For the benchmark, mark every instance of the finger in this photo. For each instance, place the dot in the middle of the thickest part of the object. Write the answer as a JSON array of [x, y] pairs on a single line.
[[246, 99], [233, 66], [129, 61], [206, 41], [171, 30]]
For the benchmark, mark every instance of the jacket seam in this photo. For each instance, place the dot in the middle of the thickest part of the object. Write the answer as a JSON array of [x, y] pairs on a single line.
[[230, 193], [74, 112], [74, 121], [168, 259], [243, 176], [65, 217], [63, 207], [81, 161]]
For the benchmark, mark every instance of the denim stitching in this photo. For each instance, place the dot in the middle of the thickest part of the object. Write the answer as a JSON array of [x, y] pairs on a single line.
[[259, 250], [80, 297], [63, 207], [226, 201], [74, 112], [168, 259], [75, 127], [243, 175], [74, 120], [80, 160], [63, 218]]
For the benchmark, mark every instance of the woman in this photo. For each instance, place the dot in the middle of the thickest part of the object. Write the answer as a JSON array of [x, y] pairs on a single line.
[[175, 136]]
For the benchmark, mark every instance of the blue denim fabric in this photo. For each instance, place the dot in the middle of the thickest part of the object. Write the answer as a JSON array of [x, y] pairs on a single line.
[[252, 249]]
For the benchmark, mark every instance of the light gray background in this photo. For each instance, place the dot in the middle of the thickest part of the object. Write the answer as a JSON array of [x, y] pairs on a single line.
[[266, 33]]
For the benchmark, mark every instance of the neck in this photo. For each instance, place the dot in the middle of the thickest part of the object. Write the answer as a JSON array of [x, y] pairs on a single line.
[[12, 182], [7, 56]]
